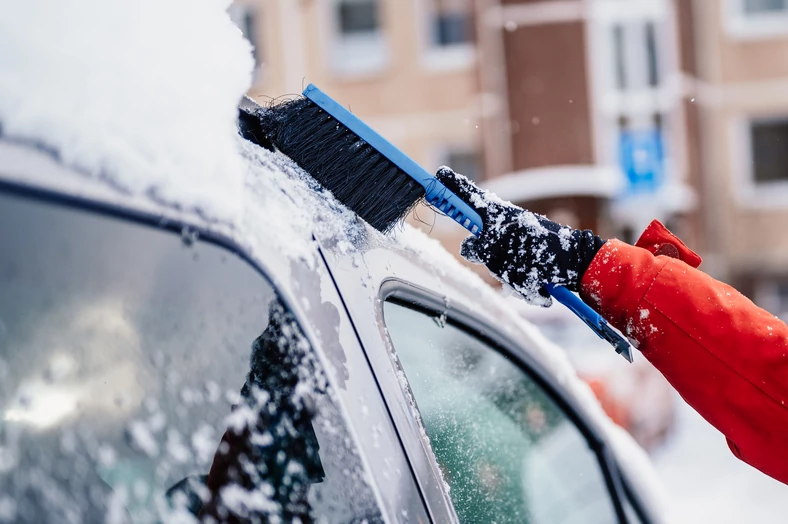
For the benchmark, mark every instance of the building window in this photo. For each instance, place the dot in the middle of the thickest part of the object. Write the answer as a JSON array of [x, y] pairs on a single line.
[[619, 57], [448, 29], [358, 16], [765, 6], [451, 23], [752, 19], [466, 162], [769, 151], [635, 55], [358, 45], [245, 17], [651, 54]]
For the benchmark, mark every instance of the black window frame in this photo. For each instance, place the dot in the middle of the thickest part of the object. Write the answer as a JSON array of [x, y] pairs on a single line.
[[753, 126], [427, 302], [341, 12]]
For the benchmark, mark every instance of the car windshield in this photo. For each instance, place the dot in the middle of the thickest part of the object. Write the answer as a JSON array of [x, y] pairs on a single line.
[[146, 377]]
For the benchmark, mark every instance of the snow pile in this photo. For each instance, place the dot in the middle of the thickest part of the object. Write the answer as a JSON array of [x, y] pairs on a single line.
[[138, 93]]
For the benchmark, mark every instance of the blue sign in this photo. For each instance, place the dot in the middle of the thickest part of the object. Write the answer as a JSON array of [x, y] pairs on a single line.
[[642, 160]]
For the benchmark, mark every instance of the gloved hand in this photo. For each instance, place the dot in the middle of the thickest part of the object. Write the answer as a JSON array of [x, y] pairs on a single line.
[[520, 248]]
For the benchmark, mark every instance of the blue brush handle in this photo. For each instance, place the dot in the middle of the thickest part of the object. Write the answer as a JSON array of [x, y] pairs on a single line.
[[598, 325], [439, 196]]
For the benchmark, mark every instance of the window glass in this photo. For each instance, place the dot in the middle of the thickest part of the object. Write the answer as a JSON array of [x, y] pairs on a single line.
[[358, 16], [358, 45], [146, 378], [765, 6], [619, 58], [467, 162], [506, 450], [651, 54], [451, 22], [770, 151]]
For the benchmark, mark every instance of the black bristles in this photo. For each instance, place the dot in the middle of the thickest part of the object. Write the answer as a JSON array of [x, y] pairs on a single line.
[[355, 172]]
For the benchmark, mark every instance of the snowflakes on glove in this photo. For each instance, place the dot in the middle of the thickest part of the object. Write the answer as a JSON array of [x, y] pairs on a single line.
[[522, 249]]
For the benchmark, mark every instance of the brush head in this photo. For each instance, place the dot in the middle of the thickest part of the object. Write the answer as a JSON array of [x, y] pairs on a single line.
[[356, 173]]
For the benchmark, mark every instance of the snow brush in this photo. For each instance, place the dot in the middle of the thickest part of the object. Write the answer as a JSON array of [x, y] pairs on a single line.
[[373, 178]]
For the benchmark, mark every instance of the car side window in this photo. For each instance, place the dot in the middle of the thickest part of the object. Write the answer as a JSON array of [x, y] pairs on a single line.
[[152, 377], [508, 452]]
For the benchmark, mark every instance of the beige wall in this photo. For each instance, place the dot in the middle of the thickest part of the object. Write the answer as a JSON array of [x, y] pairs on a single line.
[[740, 78], [421, 109]]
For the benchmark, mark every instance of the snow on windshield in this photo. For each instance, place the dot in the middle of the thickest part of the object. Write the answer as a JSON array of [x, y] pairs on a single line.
[[142, 94]]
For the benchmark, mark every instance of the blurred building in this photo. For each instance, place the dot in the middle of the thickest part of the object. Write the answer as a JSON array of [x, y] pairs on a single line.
[[595, 127], [739, 81], [408, 68], [599, 113]]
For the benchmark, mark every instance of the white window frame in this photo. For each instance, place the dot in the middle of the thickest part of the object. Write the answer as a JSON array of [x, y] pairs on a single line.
[[748, 193], [742, 26], [355, 56], [640, 101], [440, 58]]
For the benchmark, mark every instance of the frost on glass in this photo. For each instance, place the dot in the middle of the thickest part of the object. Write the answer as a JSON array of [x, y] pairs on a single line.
[[506, 450], [144, 379]]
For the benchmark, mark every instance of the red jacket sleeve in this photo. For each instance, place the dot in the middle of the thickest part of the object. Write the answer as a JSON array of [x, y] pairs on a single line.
[[727, 357]]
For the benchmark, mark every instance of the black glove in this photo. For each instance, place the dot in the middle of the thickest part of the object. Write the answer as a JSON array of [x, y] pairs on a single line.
[[520, 248]]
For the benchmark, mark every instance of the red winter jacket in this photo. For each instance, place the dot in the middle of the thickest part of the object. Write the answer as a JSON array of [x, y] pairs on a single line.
[[725, 356]]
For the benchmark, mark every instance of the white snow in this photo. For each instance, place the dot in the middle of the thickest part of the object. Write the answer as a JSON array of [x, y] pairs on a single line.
[[707, 483], [143, 438], [204, 443], [553, 181], [140, 93], [242, 501], [286, 224]]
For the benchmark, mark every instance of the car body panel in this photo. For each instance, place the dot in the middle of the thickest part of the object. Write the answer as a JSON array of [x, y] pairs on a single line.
[[304, 288]]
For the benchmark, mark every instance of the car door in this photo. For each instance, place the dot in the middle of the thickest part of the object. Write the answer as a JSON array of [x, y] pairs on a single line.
[[150, 371], [508, 450], [490, 436]]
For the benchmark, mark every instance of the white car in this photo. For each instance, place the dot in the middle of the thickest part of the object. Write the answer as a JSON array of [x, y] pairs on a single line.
[[192, 331]]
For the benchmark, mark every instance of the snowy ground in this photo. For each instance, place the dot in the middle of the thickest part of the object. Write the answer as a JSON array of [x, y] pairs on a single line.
[[707, 483]]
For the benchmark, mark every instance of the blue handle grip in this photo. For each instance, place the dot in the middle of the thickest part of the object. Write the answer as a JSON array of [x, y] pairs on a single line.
[[592, 319]]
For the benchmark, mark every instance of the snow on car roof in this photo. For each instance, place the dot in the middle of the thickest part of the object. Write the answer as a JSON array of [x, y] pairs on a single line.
[[137, 93], [143, 96]]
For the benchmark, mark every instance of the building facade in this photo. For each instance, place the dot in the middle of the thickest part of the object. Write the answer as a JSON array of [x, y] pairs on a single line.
[[599, 113], [740, 85], [408, 68]]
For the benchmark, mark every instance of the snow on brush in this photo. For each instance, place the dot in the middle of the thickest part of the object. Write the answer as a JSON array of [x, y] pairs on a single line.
[[142, 94]]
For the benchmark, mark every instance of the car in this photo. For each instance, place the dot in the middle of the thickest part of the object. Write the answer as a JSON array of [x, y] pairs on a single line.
[[177, 346]]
